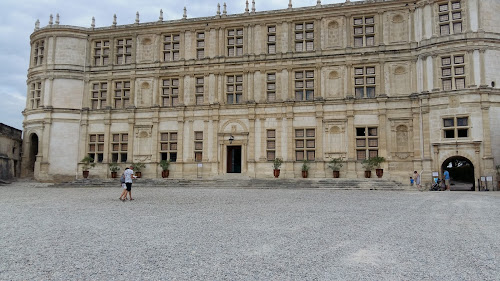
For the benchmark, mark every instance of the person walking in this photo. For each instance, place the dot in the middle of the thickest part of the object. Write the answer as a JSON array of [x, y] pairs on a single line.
[[416, 176], [446, 175], [123, 196], [129, 175]]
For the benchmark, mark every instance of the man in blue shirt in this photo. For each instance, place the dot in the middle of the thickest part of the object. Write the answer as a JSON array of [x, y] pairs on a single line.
[[447, 179]]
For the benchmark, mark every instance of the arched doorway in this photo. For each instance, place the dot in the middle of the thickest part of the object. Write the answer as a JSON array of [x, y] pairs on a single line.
[[33, 152], [461, 172]]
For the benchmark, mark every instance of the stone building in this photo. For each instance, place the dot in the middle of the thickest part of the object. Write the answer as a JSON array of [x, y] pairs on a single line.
[[10, 152], [412, 81]]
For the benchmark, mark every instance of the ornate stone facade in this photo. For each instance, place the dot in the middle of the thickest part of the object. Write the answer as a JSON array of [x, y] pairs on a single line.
[[413, 81]]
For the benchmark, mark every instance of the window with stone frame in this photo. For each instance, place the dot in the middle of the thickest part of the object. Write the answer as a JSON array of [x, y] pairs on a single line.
[[366, 142], [304, 36], [200, 45], [304, 85], [199, 90], [453, 72], [234, 88], [450, 17], [123, 50], [234, 40], [364, 31], [198, 146], [38, 52], [271, 145], [171, 47], [121, 98], [364, 82], [101, 52], [119, 148], [271, 39], [168, 146], [456, 127], [271, 86], [35, 98], [96, 147], [170, 92], [305, 144], [98, 95]]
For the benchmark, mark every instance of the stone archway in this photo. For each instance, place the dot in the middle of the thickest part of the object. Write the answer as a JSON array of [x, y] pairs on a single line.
[[461, 172], [33, 152]]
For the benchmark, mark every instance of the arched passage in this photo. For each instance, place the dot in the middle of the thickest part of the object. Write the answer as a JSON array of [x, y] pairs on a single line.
[[33, 151], [461, 172]]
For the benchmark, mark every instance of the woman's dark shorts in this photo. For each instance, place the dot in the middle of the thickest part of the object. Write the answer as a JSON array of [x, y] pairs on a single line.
[[129, 186]]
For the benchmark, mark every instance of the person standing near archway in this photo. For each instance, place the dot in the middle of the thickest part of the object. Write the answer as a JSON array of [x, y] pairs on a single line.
[[446, 175]]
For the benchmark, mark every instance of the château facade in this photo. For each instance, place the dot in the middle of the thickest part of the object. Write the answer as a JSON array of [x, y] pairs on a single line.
[[415, 82]]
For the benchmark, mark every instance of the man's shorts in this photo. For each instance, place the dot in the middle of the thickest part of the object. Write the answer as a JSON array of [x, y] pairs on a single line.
[[447, 182], [129, 186]]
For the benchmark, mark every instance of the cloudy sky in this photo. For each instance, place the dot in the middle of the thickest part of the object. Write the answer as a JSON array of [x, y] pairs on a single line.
[[18, 17]]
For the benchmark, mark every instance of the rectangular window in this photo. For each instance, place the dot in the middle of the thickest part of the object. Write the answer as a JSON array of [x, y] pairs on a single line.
[[170, 92], [456, 127], [38, 51], [366, 142], [96, 147], [168, 146], [271, 39], [122, 94], [234, 89], [123, 51], [234, 40], [119, 148], [453, 72], [200, 45], [271, 86], [101, 52], [171, 47], [304, 37], [198, 146], [364, 82], [35, 97], [200, 90], [364, 31], [305, 144], [271, 145], [450, 18], [304, 85], [98, 95]]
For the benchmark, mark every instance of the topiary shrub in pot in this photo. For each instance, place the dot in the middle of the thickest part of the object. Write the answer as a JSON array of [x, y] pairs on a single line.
[[87, 163], [276, 167], [165, 164], [335, 164]]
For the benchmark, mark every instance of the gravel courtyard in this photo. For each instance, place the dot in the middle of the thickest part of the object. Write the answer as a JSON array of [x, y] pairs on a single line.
[[51, 233]]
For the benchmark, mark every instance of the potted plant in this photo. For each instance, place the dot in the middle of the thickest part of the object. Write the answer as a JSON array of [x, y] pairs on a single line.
[[335, 164], [305, 168], [276, 166], [138, 168], [376, 163], [368, 166], [114, 168], [164, 164], [87, 163]]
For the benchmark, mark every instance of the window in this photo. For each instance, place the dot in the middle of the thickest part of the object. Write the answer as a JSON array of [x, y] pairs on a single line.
[[124, 51], [305, 144], [453, 72], [304, 85], [200, 90], [366, 142], [198, 146], [122, 94], [170, 92], [271, 145], [96, 147], [271, 39], [234, 42], [38, 50], [119, 148], [456, 127], [304, 36], [168, 146], [450, 18], [234, 89], [98, 95], [200, 45], [35, 95], [364, 31], [271, 86], [101, 52], [171, 47], [364, 82]]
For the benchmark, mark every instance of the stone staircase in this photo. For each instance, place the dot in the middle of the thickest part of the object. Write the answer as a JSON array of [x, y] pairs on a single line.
[[245, 182]]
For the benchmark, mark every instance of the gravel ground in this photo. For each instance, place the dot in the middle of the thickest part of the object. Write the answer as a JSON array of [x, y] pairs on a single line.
[[247, 234]]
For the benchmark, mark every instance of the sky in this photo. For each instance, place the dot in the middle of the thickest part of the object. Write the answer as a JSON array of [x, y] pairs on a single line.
[[18, 17]]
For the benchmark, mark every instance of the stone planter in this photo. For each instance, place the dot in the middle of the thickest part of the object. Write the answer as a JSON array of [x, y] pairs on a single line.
[[276, 173], [113, 175], [85, 174], [379, 172], [165, 173], [336, 174], [368, 174], [304, 174]]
